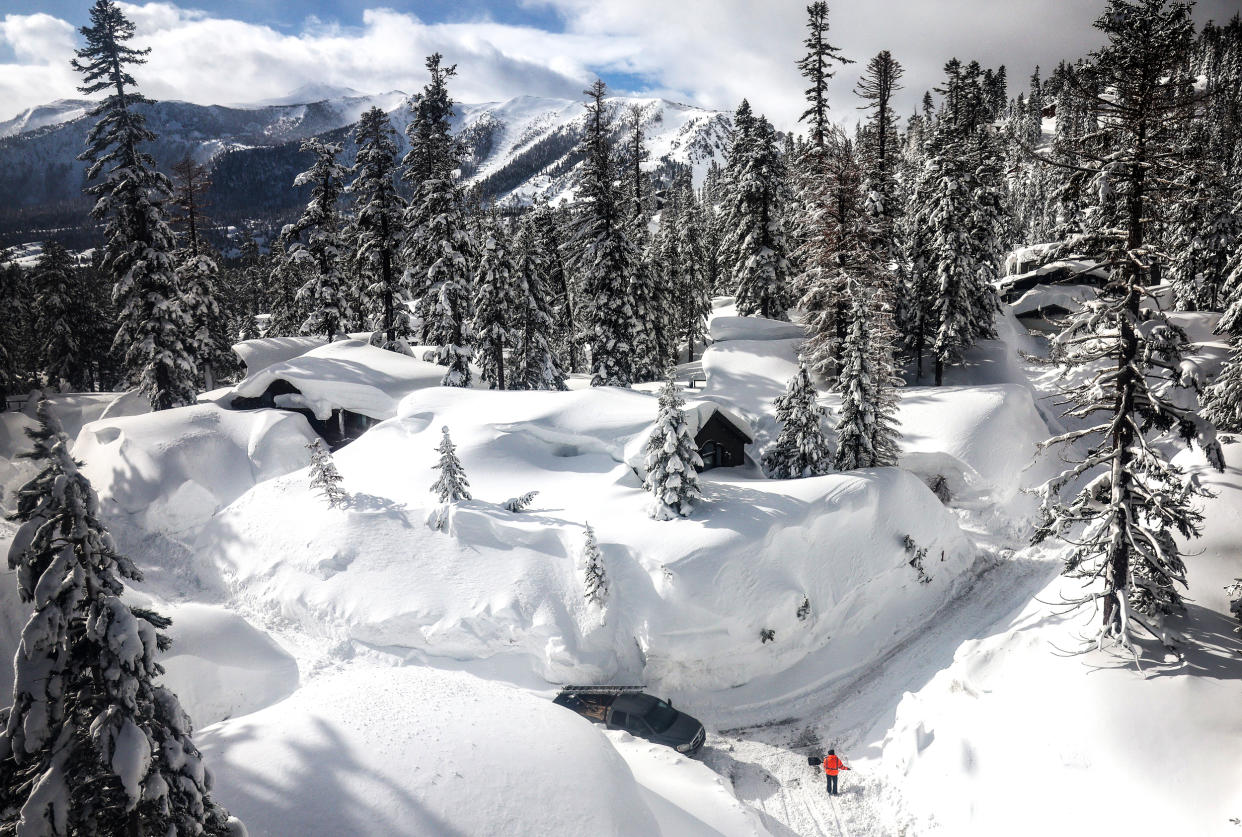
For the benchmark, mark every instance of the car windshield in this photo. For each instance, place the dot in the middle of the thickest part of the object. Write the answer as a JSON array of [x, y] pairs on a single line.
[[661, 716]]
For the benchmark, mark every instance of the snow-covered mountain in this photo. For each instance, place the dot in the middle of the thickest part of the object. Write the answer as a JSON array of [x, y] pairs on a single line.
[[514, 149]]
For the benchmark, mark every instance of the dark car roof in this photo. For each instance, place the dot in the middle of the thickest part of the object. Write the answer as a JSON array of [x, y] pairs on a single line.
[[634, 702]]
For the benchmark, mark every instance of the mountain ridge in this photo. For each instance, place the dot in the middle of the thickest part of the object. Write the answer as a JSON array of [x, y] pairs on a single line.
[[515, 150]]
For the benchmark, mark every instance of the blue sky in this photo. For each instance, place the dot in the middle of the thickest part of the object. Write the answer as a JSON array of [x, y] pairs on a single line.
[[706, 52]]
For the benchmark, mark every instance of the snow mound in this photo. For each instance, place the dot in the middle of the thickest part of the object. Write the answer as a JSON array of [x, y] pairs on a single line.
[[172, 470], [991, 432], [377, 752], [262, 352], [395, 571], [347, 374], [1041, 297], [753, 328], [14, 471], [80, 408], [1166, 738], [220, 666]]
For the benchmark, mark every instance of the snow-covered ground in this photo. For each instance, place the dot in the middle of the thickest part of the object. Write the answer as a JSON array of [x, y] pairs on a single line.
[[385, 668]]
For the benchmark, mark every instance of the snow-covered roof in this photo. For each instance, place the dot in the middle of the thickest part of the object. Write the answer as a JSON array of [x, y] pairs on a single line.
[[1068, 297], [753, 328], [262, 352], [347, 374]]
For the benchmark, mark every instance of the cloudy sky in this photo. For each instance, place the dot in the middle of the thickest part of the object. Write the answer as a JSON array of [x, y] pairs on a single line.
[[706, 52]]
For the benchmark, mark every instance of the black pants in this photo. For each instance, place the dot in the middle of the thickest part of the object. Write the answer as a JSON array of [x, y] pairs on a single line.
[[832, 785]]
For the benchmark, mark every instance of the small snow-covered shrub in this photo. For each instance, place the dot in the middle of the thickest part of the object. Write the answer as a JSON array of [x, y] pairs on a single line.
[[917, 554], [519, 504], [325, 478], [767, 635], [595, 580], [804, 609], [452, 484]]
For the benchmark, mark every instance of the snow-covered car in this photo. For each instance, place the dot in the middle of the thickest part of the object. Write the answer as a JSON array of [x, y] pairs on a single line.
[[629, 708]]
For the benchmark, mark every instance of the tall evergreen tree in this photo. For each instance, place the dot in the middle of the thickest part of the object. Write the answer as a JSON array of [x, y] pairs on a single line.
[[876, 87], [496, 302], [153, 329], [1129, 501], [378, 211], [535, 362], [800, 449], [606, 254], [867, 432], [324, 294], [816, 68], [671, 460], [198, 273], [91, 744], [60, 306], [437, 242], [756, 228]]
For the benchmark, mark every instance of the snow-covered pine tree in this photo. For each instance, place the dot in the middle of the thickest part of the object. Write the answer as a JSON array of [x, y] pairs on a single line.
[[671, 460], [605, 254], [560, 285], [324, 477], [285, 278], [534, 364], [496, 304], [837, 241], [694, 292], [152, 329], [595, 580], [815, 67], [867, 433], [91, 744], [756, 230], [58, 305], [197, 272], [378, 210], [323, 295], [1223, 399], [647, 293], [1129, 501], [452, 484], [800, 449], [520, 503], [951, 258], [437, 246], [882, 201]]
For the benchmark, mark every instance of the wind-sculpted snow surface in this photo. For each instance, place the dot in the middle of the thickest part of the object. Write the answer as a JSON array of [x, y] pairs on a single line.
[[171, 471], [348, 374], [688, 599], [1012, 724], [412, 750]]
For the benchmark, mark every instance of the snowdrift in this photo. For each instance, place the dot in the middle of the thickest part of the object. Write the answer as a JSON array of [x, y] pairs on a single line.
[[1012, 724], [170, 471], [690, 598], [412, 750], [347, 374]]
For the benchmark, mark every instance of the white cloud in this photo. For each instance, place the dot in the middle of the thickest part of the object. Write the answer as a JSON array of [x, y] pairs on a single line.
[[708, 52]]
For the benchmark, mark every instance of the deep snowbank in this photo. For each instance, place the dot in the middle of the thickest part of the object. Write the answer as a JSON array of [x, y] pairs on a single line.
[[688, 598], [169, 472], [1014, 736], [374, 752]]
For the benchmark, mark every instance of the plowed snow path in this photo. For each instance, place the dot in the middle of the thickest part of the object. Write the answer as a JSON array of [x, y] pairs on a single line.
[[767, 764]]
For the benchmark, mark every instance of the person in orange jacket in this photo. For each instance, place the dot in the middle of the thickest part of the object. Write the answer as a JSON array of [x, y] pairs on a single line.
[[832, 764]]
